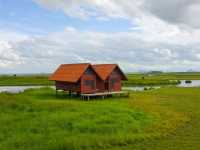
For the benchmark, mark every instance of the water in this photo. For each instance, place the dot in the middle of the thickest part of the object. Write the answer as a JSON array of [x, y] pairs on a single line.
[[17, 89], [194, 83], [141, 88]]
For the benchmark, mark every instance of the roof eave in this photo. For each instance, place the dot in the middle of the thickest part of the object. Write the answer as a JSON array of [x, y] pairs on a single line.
[[124, 76]]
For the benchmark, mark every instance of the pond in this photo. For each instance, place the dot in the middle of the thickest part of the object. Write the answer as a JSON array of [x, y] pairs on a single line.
[[194, 83], [140, 88], [17, 89]]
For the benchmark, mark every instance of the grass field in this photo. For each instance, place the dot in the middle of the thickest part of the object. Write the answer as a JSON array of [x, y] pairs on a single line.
[[133, 79], [141, 80], [159, 79], [168, 118], [21, 80]]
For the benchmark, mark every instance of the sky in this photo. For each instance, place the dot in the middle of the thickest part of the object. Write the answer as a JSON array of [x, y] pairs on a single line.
[[36, 36]]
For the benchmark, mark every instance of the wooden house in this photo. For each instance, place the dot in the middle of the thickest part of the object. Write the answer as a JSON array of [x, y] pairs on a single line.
[[87, 78], [111, 77]]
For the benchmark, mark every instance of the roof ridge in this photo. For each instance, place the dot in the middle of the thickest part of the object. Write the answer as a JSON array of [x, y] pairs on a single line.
[[77, 64], [102, 64]]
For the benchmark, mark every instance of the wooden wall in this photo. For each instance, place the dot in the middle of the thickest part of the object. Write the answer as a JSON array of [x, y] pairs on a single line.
[[113, 81], [67, 86], [100, 85], [90, 76]]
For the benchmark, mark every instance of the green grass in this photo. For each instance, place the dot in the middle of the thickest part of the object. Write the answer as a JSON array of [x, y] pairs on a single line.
[[186, 137], [136, 80], [38, 119], [159, 79], [6, 80], [167, 118], [133, 79], [167, 76]]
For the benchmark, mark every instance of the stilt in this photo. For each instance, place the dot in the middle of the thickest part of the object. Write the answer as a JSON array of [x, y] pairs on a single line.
[[104, 95], [70, 93], [78, 93], [56, 92]]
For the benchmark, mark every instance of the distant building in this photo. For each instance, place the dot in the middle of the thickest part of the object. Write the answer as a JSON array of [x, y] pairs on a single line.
[[87, 78]]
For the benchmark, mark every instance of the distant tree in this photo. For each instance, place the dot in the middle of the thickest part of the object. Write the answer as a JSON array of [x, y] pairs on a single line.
[[155, 72]]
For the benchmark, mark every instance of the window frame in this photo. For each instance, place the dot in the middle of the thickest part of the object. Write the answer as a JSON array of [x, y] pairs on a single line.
[[89, 83], [113, 81]]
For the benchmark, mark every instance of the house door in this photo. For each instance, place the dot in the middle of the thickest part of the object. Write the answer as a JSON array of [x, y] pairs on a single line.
[[107, 86]]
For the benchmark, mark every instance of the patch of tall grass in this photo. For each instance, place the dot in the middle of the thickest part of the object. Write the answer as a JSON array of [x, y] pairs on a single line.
[[37, 119]]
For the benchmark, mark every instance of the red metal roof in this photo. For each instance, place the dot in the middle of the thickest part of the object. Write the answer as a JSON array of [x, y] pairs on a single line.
[[104, 70], [69, 72]]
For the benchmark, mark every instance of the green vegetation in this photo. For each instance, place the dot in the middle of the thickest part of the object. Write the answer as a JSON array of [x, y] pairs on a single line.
[[154, 78], [36, 119], [14, 80], [185, 100], [188, 81], [159, 78], [141, 80]]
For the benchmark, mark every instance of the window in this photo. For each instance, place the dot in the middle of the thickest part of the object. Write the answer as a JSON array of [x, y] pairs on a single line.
[[112, 83], [90, 83], [88, 72]]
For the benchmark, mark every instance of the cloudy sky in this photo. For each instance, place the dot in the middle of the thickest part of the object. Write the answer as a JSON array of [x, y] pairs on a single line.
[[38, 35]]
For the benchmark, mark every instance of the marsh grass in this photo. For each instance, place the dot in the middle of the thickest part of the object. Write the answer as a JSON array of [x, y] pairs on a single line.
[[184, 104], [24, 80], [37, 119], [133, 79], [160, 78]]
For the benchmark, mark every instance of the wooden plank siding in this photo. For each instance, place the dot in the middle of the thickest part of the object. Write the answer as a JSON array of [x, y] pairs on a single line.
[[67, 86], [115, 80], [88, 79], [88, 76]]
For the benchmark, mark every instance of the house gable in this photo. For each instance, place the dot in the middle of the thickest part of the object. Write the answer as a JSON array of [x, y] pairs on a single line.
[[87, 78], [105, 70]]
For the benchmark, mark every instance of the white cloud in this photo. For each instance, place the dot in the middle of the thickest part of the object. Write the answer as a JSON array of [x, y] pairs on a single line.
[[12, 36], [166, 37], [132, 50], [9, 57], [86, 8], [178, 12]]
